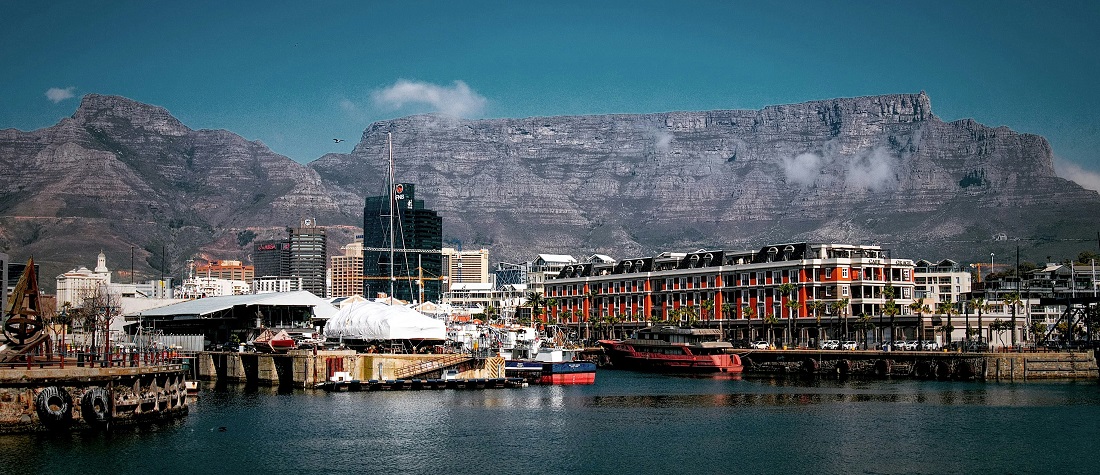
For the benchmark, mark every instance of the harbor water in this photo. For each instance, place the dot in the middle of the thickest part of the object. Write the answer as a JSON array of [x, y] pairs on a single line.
[[625, 423]]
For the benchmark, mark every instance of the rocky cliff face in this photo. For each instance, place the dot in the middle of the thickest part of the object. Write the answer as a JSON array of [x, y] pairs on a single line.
[[879, 169], [120, 173]]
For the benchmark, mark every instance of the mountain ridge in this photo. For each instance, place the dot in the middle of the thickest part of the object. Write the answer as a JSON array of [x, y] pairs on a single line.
[[875, 169]]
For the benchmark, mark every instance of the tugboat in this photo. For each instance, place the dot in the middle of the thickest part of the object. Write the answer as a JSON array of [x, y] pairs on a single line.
[[530, 359], [674, 350]]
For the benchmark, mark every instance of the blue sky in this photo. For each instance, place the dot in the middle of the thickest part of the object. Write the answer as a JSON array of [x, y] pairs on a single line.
[[296, 75]]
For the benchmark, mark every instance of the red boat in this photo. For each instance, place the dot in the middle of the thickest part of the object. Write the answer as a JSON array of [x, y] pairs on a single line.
[[271, 342], [674, 350]]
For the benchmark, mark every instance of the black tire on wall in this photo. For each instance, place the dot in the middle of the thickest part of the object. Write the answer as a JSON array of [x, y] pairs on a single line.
[[96, 406], [54, 407]]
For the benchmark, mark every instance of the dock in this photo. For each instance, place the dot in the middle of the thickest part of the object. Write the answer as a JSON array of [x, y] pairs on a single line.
[[422, 384]]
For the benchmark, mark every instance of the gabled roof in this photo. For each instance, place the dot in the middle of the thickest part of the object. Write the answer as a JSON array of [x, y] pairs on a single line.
[[205, 306], [557, 258]]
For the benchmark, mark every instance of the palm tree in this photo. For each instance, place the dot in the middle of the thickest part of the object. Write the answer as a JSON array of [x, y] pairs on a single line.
[[549, 304], [816, 307], [890, 309], [792, 305], [840, 308], [787, 289], [769, 320], [749, 313], [864, 323], [947, 308], [979, 304], [534, 300], [919, 307], [589, 300], [727, 310], [1013, 300], [708, 310]]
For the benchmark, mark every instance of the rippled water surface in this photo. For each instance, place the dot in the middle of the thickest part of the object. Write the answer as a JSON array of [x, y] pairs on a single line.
[[625, 423]]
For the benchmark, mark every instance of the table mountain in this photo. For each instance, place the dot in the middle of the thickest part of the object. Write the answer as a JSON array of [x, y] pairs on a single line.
[[880, 169]]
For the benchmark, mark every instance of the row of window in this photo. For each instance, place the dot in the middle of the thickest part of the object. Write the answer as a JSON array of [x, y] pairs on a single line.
[[743, 279]]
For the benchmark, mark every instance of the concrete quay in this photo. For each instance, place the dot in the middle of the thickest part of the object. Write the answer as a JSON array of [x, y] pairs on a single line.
[[309, 369], [1075, 365]]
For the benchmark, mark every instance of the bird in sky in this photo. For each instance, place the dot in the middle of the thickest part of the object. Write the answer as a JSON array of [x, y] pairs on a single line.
[[337, 140]]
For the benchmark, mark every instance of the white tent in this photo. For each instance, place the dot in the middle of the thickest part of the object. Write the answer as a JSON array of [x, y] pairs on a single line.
[[378, 321]]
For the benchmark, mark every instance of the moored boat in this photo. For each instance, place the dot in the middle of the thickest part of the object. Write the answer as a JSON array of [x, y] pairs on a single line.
[[556, 364], [674, 350]]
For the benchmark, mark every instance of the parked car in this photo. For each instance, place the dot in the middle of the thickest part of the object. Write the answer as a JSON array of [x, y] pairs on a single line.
[[760, 345], [848, 345], [830, 345], [929, 345]]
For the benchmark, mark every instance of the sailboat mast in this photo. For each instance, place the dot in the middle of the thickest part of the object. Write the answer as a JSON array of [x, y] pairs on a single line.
[[389, 142]]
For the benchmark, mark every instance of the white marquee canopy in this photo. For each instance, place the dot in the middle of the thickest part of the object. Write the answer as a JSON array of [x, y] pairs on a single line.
[[378, 321]]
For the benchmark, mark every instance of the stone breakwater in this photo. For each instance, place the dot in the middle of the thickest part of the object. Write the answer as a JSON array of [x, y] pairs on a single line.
[[89, 398]]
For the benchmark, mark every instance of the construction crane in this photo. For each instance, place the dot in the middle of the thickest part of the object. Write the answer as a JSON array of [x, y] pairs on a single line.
[[987, 265], [419, 278]]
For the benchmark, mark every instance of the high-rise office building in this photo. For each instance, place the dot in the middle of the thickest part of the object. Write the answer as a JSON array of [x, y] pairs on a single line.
[[271, 258], [415, 272], [465, 267], [346, 271], [308, 256]]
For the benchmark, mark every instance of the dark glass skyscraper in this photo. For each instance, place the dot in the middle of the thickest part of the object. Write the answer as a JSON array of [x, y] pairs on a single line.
[[417, 242], [271, 258], [309, 256]]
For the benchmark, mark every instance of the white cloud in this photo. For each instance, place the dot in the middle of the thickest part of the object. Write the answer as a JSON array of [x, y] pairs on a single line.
[[458, 100], [57, 94], [663, 141], [1073, 172], [803, 170], [871, 170]]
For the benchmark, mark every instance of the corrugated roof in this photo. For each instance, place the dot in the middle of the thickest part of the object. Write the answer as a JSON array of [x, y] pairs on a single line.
[[204, 306]]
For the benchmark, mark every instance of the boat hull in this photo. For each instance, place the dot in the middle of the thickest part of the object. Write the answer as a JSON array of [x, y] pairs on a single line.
[[564, 373], [658, 359]]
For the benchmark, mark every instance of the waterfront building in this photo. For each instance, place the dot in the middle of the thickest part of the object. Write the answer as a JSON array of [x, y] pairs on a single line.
[[783, 288], [269, 284], [546, 267], [1055, 301], [226, 269], [346, 271], [465, 267], [309, 256], [271, 258], [415, 272]]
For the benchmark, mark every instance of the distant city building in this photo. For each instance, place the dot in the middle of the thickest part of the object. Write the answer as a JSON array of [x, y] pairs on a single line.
[[309, 256], [509, 274], [203, 287], [417, 264], [269, 284], [271, 258], [346, 271], [76, 285], [545, 267], [465, 267], [226, 269]]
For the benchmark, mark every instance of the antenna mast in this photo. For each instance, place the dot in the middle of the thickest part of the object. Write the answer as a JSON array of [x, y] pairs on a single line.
[[389, 143]]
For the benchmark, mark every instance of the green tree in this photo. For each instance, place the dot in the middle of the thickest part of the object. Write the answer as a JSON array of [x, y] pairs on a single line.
[[1013, 301], [864, 324], [840, 308], [1000, 326], [891, 310], [979, 305], [787, 290], [948, 309], [817, 307], [550, 306], [920, 308], [749, 314], [769, 321], [708, 309], [534, 300]]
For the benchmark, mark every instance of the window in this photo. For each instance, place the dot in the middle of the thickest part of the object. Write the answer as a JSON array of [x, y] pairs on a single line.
[[905, 274], [844, 291], [843, 272]]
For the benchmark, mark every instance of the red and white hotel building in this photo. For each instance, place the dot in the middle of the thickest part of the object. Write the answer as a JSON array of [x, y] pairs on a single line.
[[721, 285]]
